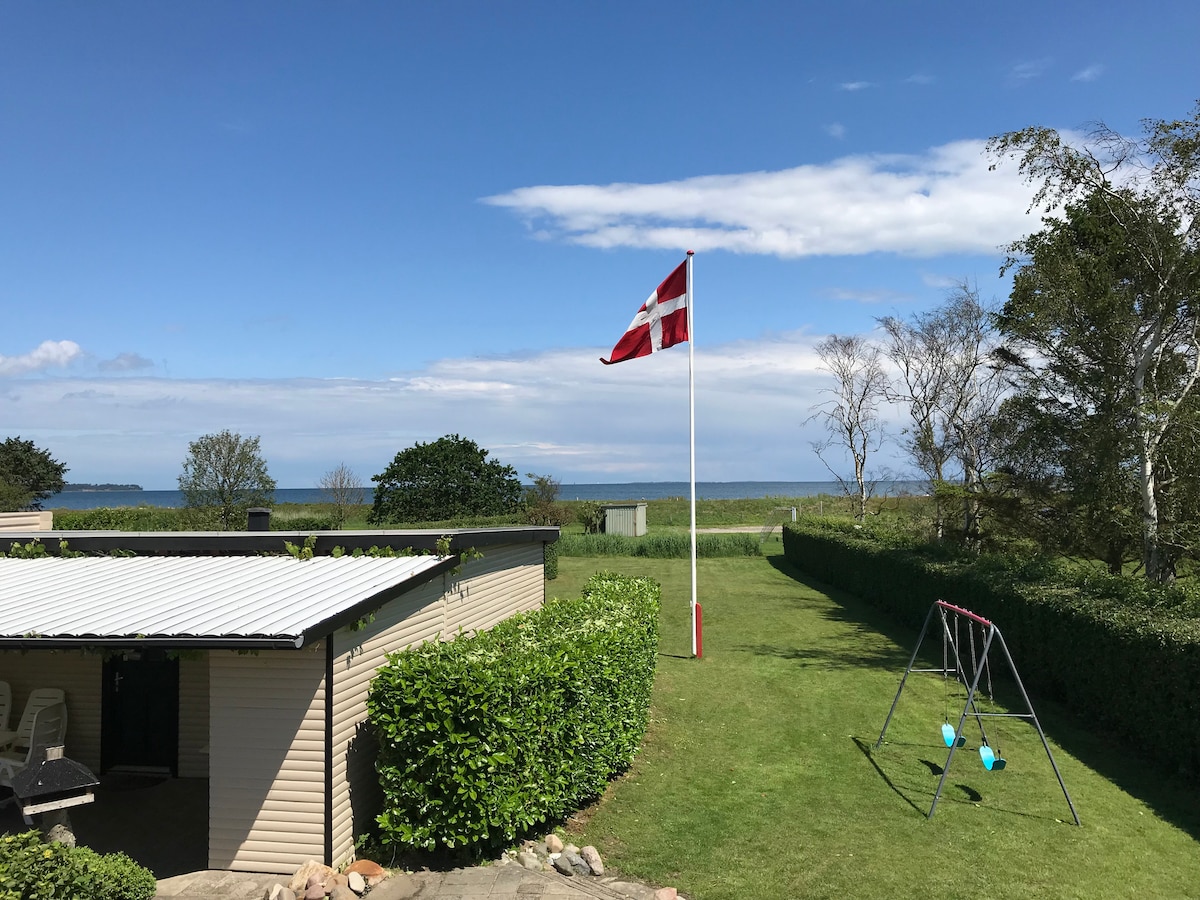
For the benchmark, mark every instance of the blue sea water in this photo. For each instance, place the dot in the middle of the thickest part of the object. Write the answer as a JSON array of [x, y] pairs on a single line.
[[633, 490]]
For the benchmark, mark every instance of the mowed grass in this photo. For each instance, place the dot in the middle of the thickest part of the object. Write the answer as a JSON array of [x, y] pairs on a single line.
[[758, 777]]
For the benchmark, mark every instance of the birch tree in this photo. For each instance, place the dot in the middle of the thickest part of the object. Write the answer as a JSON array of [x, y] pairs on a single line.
[[1105, 306], [851, 414]]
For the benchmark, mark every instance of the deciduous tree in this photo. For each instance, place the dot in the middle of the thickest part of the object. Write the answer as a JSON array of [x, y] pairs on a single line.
[[28, 475], [1104, 318], [224, 475], [342, 489], [851, 414], [445, 479]]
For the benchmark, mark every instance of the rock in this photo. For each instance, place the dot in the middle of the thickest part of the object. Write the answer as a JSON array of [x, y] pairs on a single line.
[[402, 887], [338, 880], [372, 872], [342, 892], [306, 872], [529, 860], [564, 865], [356, 883], [60, 834], [591, 856], [280, 892], [554, 843], [315, 891], [667, 893], [570, 848]]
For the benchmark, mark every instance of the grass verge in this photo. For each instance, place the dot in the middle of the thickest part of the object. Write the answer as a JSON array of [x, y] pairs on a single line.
[[757, 778]]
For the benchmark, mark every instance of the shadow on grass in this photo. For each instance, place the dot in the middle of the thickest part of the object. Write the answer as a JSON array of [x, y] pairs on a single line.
[[1173, 797]]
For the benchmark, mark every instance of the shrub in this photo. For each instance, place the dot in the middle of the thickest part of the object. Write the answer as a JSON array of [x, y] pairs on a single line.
[[118, 518], [590, 515], [486, 736], [307, 524], [33, 870], [550, 560]]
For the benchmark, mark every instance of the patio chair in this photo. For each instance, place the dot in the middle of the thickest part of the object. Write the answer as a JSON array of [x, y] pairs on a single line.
[[39, 698], [48, 730], [5, 704]]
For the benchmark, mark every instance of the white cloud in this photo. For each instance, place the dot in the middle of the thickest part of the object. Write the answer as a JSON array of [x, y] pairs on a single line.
[[835, 130], [125, 362], [1090, 73], [1028, 69], [942, 201], [867, 297], [919, 79], [47, 355], [558, 412], [854, 85]]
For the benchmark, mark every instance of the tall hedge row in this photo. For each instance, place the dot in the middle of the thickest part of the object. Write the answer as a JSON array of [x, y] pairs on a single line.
[[1118, 651], [483, 737]]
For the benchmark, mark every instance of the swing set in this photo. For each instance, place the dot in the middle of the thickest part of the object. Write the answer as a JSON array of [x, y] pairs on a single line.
[[955, 621]]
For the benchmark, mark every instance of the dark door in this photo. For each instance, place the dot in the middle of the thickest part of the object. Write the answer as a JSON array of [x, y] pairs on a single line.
[[140, 718]]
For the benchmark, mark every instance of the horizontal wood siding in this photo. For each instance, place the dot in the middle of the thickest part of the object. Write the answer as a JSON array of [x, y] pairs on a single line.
[[506, 580], [79, 675], [193, 716], [266, 759]]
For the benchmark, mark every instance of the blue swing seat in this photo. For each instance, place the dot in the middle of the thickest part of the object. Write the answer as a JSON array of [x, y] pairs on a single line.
[[948, 736], [991, 761]]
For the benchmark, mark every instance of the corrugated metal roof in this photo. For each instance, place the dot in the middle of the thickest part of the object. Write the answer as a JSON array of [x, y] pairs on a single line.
[[192, 600]]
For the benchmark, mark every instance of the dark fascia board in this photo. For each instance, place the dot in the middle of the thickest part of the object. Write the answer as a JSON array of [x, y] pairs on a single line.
[[253, 543]]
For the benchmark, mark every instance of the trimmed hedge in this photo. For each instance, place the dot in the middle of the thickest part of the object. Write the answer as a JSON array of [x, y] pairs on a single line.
[[1121, 652], [33, 870], [118, 518], [484, 737], [659, 546]]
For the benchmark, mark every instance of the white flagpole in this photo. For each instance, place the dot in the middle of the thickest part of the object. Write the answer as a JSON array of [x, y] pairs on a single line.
[[697, 647]]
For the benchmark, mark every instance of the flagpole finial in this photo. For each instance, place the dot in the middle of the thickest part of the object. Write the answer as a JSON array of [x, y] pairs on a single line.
[[691, 253]]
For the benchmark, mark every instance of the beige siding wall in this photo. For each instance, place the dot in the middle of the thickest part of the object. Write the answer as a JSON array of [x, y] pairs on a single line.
[[193, 716], [267, 759], [79, 675], [38, 520], [508, 579]]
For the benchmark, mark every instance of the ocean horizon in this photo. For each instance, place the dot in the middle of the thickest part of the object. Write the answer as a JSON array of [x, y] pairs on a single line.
[[607, 492]]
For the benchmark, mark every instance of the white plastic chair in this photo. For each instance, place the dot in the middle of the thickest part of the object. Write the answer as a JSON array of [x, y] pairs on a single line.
[[48, 729], [39, 699]]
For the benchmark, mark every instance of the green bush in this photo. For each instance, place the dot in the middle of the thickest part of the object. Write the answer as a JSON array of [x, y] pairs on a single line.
[[659, 546], [33, 870], [118, 518], [307, 524], [1121, 652], [550, 560], [484, 737]]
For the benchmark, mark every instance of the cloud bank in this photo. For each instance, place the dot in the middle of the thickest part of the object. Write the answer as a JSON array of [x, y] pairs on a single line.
[[558, 412], [941, 201]]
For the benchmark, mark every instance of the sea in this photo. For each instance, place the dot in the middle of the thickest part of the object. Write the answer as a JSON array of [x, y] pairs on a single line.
[[633, 490]]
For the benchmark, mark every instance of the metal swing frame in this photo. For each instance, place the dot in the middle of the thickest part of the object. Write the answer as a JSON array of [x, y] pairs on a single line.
[[991, 634]]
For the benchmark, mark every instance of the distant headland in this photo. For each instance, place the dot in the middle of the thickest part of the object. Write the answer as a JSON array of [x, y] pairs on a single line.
[[68, 488]]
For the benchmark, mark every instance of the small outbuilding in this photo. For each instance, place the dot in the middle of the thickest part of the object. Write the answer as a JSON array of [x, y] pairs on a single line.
[[220, 656], [628, 519]]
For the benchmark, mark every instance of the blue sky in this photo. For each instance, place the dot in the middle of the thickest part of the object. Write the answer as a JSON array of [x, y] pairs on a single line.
[[349, 227]]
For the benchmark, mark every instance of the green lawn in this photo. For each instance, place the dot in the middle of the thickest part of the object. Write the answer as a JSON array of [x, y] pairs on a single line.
[[757, 778]]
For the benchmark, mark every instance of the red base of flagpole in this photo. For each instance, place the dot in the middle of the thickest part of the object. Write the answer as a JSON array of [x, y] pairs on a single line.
[[699, 637]]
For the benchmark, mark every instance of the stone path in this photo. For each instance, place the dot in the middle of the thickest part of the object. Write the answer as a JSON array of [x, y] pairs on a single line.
[[497, 882]]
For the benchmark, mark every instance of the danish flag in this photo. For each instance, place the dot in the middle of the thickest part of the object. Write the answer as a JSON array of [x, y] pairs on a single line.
[[661, 322]]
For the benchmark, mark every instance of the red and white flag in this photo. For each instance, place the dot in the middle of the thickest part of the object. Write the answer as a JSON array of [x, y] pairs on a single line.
[[660, 323]]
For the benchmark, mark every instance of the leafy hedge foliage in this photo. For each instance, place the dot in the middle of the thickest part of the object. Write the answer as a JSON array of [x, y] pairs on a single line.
[[1119, 651], [118, 518], [33, 870], [659, 546], [486, 736]]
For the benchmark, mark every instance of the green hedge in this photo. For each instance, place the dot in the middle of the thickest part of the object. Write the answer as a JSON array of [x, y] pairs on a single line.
[[484, 737], [118, 518], [33, 870], [659, 546], [1118, 651]]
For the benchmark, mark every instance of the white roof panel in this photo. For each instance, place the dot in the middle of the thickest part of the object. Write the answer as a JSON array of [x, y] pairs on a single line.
[[268, 599]]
